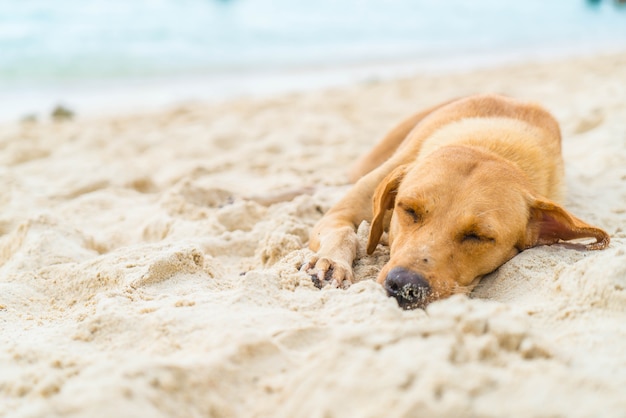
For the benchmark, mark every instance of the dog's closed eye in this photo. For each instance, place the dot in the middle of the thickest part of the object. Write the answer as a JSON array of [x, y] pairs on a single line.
[[413, 214], [474, 237]]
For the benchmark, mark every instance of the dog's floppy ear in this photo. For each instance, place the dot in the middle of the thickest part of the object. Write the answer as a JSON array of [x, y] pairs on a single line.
[[384, 199], [548, 223]]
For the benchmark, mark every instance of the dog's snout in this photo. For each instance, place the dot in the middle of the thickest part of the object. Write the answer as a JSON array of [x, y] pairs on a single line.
[[410, 289]]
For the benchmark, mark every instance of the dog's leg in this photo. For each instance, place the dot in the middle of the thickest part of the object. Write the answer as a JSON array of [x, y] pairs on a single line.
[[334, 237]]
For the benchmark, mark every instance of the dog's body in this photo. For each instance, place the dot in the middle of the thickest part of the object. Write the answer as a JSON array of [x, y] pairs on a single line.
[[471, 183]]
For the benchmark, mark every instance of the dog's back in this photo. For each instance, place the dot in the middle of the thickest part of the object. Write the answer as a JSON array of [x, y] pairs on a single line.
[[523, 132], [533, 149]]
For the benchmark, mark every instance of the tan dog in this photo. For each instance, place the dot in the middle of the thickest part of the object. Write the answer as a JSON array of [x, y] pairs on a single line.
[[471, 183]]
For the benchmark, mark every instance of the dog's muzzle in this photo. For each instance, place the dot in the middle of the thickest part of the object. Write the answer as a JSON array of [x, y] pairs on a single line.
[[410, 289]]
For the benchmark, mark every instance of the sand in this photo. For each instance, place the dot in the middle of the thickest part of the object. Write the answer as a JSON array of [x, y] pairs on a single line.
[[143, 275]]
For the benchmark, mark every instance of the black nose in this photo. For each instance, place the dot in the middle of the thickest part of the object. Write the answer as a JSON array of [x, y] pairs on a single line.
[[410, 289]]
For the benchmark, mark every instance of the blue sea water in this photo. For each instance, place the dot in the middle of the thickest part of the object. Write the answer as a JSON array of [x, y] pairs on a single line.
[[69, 39], [51, 43]]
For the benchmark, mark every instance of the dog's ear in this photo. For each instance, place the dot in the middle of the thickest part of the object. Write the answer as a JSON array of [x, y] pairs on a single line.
[[548, 223], [384, 199]]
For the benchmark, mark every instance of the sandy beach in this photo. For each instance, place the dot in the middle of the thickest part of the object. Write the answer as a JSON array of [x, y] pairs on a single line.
[[142, 274]]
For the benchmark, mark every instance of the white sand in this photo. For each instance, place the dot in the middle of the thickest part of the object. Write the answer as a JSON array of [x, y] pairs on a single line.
[[137, 280]]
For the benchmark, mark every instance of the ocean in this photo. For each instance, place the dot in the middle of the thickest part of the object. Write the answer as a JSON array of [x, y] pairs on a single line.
[[64, 45]]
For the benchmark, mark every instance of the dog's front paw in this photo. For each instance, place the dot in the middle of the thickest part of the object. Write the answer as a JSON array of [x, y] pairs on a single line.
[[325, 271]]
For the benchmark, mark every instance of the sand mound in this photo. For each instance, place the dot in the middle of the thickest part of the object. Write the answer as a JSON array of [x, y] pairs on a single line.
[[145, 270]]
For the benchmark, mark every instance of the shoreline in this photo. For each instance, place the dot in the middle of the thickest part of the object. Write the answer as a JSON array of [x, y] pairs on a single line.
[[116, 97]]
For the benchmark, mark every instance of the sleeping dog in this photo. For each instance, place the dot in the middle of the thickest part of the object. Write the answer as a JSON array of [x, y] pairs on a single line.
[[461, 188]]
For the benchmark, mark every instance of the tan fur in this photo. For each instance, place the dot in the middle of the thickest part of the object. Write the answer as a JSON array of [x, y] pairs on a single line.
[[471, 183]]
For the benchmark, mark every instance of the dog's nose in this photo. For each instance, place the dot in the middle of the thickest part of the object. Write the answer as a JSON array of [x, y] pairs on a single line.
[[410, 289]]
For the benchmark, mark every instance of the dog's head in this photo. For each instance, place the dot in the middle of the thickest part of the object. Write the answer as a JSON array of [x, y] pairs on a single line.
[[457, 216]]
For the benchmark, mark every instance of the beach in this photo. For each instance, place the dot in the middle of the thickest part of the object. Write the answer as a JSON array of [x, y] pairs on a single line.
[[145, 271]]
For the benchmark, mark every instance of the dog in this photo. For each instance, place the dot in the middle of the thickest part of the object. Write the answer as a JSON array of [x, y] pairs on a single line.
[[461, 188]]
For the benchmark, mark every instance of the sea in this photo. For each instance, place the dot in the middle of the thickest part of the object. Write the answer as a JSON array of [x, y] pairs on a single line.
[[94, 54]]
